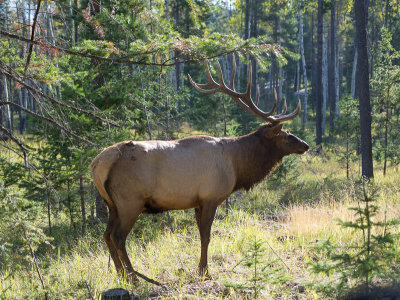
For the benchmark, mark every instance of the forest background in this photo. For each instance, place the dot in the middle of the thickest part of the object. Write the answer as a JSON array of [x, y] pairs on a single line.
[[78, 76]]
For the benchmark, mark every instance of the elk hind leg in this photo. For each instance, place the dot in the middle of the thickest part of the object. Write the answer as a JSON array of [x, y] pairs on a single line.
[[119, 233], [107, 238]]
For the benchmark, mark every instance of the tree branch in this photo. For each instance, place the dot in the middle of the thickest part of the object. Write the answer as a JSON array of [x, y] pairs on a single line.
[[165, 63], [49, 120], [18, 142], [28, 59], [40, 93]]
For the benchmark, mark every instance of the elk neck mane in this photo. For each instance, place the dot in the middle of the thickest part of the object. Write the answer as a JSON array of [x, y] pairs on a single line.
[[254, 157]]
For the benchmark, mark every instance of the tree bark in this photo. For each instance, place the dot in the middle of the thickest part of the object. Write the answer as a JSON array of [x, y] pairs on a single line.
[[83, 208], [318, 99], [363, 89], [353, 74], [303, 61], [332, 72], [324, 78], [7, 112]]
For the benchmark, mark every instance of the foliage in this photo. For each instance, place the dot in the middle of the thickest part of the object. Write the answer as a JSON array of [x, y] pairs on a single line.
[[365, 263], [348, 127], [18, 231], [287, 171], [386, 99], [260, 272]]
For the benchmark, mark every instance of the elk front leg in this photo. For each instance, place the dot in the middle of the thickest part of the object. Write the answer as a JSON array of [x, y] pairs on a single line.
[[205, 217]]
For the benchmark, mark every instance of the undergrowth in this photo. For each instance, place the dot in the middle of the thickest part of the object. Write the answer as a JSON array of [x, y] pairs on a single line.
[[289, 215]]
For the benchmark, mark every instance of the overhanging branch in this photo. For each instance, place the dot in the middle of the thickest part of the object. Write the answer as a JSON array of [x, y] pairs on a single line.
[[49, 120], [165, 63], [41, 94]]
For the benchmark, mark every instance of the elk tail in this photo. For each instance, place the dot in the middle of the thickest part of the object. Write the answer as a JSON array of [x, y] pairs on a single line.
[[100, 170]]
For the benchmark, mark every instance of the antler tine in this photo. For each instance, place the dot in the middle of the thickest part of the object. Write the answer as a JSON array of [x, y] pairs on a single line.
[[284, 108], [201, 89], [211, 82], [221, 77], [248, 89], [292, 115], [244, 100]]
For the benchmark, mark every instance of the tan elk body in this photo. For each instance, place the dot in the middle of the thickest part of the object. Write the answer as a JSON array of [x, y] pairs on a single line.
[[197, 172]]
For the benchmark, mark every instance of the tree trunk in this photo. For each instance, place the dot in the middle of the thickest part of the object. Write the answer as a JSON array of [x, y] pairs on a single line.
[[48, 209], [353, 74], [303, 61], [337, 76], [7, 111], [332, 72], [253, 33], [324, 78], [83, 209], [101, 208], [363, 89], [246, 30], [318, 99]]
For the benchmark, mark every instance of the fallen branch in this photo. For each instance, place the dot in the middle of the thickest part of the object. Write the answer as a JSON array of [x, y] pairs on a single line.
[[164, 286]]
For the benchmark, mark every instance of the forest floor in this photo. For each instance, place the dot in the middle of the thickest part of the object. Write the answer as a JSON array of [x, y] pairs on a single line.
[[289, 215]]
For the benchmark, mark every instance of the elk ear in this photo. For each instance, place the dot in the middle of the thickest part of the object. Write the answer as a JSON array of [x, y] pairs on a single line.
[[273, 131]]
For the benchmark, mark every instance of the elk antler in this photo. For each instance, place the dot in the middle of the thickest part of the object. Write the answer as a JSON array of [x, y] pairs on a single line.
[[244, 100]]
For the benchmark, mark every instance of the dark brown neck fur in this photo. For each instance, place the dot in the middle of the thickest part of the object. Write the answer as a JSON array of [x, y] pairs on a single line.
[[254, 157]]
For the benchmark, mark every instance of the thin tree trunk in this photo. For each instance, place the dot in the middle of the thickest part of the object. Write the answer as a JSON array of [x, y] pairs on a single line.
[[71, 211], [48, 209], [324, 78], [83, 208], [337, 79], [363, 89], [318, 99], [7, 112], [303, 61], [145, 111], [247, 18], [76, 23], [332, 72]]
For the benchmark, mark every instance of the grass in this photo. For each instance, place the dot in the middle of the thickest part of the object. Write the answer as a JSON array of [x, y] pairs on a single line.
[[290, 215]]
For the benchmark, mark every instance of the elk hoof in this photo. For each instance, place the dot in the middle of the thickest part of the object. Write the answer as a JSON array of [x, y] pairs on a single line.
[[205, 274], [132, 278]]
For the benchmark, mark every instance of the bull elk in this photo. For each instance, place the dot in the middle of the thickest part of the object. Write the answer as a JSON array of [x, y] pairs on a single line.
[[199, 172]]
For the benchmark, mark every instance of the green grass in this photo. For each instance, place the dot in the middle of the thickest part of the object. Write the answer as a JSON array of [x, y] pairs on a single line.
[[290, 215]]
